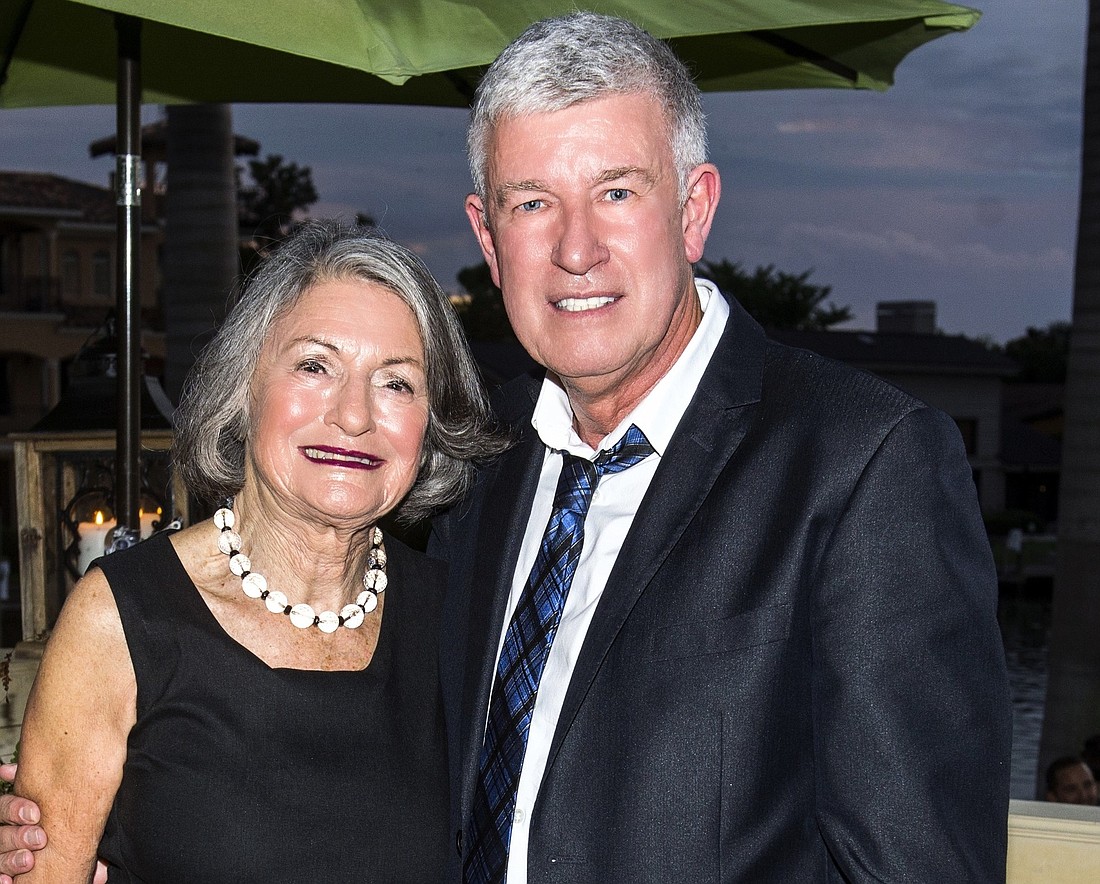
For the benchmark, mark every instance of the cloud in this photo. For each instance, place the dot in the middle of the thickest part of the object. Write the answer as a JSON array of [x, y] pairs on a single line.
[[894, 244], [1002, 100], [813, 127]]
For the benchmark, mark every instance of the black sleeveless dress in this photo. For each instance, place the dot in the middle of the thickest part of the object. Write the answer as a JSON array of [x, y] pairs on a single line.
[[237, 772]]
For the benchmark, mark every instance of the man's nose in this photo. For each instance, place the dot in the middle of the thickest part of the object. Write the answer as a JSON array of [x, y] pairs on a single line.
[[579, 246]]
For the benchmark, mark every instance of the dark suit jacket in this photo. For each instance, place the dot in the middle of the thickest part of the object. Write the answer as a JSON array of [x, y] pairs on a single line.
[[795, 672]]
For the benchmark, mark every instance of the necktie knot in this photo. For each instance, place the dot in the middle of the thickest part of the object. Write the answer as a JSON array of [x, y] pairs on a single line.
[[631, 449], [579, 476]]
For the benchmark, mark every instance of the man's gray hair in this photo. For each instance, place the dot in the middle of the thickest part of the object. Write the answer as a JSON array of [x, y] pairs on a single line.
[[559, 62], [213, 419]]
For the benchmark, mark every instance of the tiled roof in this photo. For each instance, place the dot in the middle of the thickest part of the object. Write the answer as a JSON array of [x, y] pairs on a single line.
[[45, 192], [898, 351]]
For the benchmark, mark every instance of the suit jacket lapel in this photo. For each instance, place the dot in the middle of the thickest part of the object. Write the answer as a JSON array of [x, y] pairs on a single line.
[[706, 439]]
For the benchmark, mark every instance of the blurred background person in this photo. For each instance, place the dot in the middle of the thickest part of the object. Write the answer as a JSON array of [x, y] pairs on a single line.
[[1070, 781]]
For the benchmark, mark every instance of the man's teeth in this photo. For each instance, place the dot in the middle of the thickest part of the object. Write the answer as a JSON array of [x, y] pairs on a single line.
[[577, 305], [317, 454]]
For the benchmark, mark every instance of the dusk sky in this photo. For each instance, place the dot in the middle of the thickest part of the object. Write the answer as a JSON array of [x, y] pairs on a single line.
[[958, 185]]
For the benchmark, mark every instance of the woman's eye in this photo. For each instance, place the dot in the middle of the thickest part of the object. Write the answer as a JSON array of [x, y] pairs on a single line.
[[399, 385], [311, 366]]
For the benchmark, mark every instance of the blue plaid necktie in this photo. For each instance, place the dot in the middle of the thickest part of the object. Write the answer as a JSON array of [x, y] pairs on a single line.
[[523, 656]]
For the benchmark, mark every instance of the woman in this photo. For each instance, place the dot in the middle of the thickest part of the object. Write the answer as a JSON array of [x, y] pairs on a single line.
[[191, 718]]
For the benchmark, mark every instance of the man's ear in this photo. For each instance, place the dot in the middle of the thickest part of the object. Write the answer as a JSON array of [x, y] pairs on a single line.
[[479, 221], [703, 192]]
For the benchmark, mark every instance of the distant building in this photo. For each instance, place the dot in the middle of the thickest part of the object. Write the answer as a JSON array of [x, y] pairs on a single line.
[[913, 317], [57, 284]]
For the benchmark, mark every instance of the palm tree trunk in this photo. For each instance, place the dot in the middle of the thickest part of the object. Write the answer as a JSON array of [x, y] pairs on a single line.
[[1073, 684], [200, 243]]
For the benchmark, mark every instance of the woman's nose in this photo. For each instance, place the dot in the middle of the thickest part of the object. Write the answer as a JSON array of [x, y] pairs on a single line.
[[352, 409]]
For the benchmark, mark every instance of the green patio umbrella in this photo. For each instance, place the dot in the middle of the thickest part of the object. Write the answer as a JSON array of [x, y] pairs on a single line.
[[64, 52], [58, 52]]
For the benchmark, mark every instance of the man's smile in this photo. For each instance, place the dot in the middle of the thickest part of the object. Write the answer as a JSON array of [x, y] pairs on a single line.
[[579, 305]]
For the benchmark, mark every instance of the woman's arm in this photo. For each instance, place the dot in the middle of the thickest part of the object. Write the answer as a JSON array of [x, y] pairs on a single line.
[[73, 744]]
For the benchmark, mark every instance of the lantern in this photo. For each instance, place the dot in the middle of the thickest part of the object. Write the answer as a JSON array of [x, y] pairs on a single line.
[[65, 483]]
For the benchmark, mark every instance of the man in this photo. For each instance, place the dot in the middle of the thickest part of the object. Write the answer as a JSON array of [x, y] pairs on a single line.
[[1070, 781], [778, 659], [775, 657]]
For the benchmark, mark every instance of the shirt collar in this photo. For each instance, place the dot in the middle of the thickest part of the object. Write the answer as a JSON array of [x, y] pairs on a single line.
[[659, 413]]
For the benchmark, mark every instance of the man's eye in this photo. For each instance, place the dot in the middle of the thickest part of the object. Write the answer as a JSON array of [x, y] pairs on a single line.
[[618, 194], [530, 205]]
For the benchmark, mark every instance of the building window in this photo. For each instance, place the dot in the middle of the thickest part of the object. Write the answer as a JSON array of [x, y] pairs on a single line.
[[101, 274], [968, 426], [70, 273]]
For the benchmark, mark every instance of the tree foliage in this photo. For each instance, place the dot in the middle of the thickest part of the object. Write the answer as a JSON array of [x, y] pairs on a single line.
[[1042, 353], [483, 316], [777, 299], [278, 189]]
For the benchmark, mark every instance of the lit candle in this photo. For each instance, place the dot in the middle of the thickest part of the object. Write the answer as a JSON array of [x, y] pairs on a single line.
[[93, 540], [147, 520]]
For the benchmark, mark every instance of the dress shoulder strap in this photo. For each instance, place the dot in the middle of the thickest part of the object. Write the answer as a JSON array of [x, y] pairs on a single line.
[[156, 602]]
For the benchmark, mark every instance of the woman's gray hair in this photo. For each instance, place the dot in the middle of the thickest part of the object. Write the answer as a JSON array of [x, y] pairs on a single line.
[[559, 62], [213, 421]]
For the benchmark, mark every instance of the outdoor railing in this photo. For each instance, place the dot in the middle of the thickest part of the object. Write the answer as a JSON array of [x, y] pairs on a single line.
[[1052, 843]]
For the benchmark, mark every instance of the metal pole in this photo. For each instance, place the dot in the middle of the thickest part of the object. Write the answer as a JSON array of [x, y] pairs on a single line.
[[128, 190]]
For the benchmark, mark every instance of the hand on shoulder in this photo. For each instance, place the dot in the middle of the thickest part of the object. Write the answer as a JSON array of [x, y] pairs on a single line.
[[20, 835]]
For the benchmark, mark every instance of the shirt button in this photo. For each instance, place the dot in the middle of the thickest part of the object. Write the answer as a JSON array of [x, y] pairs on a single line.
[[517, 817]]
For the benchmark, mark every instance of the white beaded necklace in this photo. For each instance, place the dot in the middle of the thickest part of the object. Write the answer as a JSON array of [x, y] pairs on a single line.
[[302, 615]]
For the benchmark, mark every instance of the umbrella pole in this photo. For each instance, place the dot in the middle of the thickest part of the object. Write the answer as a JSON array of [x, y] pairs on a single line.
[[128, 191]]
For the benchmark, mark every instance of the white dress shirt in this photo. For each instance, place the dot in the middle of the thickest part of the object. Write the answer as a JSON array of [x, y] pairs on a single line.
[[614, 504]]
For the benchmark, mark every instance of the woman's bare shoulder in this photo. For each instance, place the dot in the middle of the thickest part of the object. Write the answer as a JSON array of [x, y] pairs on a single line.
[[89, 610]]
